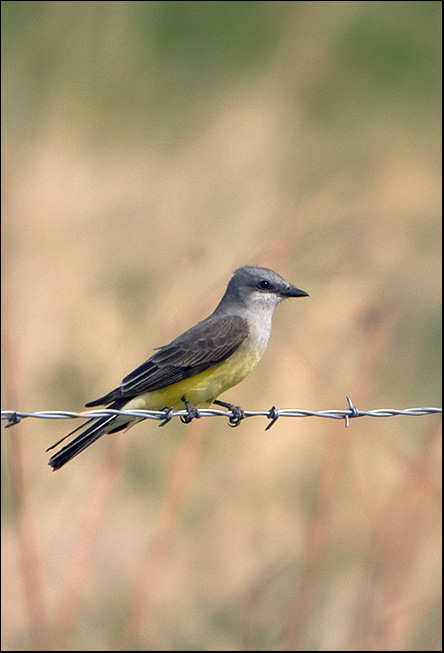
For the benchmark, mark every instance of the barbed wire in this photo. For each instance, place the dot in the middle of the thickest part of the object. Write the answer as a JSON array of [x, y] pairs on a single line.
[[273, 414]]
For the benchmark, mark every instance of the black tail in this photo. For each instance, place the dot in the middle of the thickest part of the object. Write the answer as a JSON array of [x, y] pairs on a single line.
[[99, 427]]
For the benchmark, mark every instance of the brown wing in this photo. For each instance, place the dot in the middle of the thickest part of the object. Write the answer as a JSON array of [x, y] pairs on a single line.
[[209, 342]]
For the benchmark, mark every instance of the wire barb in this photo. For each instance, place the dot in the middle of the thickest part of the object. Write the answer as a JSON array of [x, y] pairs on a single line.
[[168, 416], [12, 419], [354, 412], [273, 415]]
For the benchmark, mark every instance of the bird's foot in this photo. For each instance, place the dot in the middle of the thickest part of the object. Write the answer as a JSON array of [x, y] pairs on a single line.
[[192, 412], [238, 413]]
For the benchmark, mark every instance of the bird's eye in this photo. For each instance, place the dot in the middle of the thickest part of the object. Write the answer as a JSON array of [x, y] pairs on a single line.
[[264, 284]]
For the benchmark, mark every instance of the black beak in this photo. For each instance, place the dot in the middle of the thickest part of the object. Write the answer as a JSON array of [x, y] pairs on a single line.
[[292, 291]]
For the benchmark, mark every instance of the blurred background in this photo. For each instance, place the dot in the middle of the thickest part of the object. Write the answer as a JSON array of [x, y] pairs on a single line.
[[149, 148]]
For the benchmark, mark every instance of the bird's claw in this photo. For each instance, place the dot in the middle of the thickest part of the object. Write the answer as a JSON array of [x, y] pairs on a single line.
[[238, 413], [237, 416], [192, 412]]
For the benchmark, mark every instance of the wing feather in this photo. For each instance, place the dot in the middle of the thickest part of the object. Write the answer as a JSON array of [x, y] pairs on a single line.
[[207, 343]]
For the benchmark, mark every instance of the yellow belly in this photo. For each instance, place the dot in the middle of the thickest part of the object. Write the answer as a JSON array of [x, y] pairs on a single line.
[[203, 388]]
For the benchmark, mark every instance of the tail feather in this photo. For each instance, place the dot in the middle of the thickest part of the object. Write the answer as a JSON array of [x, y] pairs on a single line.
[[100, 426]]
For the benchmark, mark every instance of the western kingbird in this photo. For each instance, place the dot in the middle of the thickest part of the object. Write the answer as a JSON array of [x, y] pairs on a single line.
[[200, 364]]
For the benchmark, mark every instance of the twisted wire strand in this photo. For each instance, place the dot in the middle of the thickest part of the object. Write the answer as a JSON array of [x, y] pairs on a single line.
[[273, 414]]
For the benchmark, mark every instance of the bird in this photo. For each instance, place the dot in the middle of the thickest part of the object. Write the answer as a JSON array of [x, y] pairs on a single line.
[[192, 370]]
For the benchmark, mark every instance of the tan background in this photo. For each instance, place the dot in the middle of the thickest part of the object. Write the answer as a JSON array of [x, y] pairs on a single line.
[[149, 149]]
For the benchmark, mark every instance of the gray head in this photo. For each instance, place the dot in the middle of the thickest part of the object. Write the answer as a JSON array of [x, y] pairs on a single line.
[[255, 288]]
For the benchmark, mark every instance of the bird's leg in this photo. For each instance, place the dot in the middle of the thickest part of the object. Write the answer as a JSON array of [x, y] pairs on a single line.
[[238, 413], [191, 410]]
